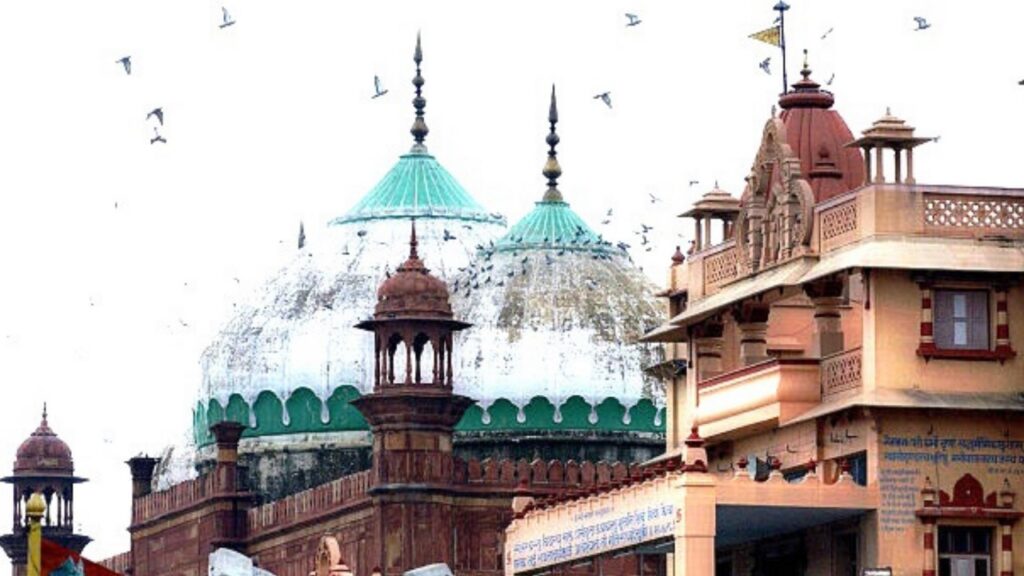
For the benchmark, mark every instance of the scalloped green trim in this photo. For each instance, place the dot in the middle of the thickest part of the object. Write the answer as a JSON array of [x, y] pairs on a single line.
[[305, 410]]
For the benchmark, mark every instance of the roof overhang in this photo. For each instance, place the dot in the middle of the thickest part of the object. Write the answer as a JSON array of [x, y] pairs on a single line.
[[916, 253], [782, 276], [911, 398]]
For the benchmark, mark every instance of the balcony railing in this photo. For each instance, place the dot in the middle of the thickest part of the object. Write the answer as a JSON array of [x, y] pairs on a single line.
[[840, 372], [776, 390]]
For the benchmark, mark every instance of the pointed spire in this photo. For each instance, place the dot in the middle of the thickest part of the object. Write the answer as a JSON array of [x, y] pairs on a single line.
[[551, 168], [419, 126], [413, 243]]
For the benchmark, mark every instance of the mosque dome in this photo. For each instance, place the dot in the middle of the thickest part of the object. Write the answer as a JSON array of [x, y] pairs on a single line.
[[556, 313], [819, 135], [43, 453], [295, 342]]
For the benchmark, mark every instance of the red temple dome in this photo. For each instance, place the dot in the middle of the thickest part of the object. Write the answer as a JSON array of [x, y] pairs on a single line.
[[43, 453], [412, 291], [818, 134]]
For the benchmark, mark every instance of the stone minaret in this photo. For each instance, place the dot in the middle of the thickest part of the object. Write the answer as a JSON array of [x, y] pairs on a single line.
[[412, 413], [43, 464]]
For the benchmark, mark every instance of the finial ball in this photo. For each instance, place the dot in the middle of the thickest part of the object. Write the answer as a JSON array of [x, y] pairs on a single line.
[[36, 507]]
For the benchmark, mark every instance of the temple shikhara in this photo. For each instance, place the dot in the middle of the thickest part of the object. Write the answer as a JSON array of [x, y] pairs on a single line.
[[827, 385]]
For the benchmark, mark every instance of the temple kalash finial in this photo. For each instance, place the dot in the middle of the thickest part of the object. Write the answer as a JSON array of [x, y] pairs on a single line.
[[551, 168], [44, 414], [419, 126]]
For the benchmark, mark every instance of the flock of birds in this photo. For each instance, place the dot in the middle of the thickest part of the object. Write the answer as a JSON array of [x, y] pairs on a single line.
[[921, 24], [481, 271], [158, 113], [606, 96]]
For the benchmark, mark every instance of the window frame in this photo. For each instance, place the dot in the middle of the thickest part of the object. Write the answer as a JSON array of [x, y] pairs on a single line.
[[970, 306]]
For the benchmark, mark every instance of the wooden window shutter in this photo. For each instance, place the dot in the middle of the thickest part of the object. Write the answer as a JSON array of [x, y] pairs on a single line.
[[977, 310], [942, 318]]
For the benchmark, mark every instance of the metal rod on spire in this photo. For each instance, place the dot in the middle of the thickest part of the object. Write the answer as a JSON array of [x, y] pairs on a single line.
[[413, 242], [781, 8], [419, 126], [551, 168]]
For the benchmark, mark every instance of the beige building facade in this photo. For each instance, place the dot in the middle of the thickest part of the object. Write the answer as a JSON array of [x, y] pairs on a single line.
[[844, 341]]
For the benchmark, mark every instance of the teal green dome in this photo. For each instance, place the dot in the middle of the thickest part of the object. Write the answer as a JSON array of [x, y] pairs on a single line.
[[552, 224], [418, 187]]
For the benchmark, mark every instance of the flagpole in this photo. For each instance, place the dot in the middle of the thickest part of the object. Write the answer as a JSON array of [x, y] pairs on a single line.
[[34, 510], [781, 8]]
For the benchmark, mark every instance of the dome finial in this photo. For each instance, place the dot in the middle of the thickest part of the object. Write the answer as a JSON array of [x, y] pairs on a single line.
[[412, 242], [44, 413], [419, 126], [806, 72], [551, 168]]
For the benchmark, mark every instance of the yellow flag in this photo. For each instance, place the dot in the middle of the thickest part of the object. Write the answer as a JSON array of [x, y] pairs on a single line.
[[771, 36]]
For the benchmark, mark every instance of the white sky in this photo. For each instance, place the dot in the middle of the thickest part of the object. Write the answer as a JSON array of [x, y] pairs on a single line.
[[270, 121]]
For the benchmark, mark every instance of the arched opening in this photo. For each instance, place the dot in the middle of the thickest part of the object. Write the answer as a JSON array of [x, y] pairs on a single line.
[[397, 359], [426, 359]]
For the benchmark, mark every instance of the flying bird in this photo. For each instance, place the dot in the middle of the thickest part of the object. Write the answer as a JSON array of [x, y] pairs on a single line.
[[127, 63], [922, 24], [764, 65], [830, 79], [610, 210], [633, 19], [448, 235], [653, 198], [825, 35], [377, 92], [1021, 83], [605, 97], [157, 137], [606, 221], [692, 182], [646, 228], [159, 113], [361, 233], [228, 20]]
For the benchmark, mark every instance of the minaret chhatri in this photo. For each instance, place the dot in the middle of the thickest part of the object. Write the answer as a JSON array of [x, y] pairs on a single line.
[[412, 414]]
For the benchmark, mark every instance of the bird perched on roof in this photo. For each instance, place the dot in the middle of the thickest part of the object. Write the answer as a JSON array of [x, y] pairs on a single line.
[[623, 246], [127, 63], [361, 233], [605, 97], [548, 259], [377, 92], [633, 19], [448, 235], [922, 24], [827, 32], [227, 19], [159, 113], [765, 65], [157, 137]]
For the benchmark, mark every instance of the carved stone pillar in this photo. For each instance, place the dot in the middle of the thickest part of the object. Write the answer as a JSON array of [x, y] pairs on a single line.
[[828, 332], [752, 320], [755, 237], [708, 340]]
